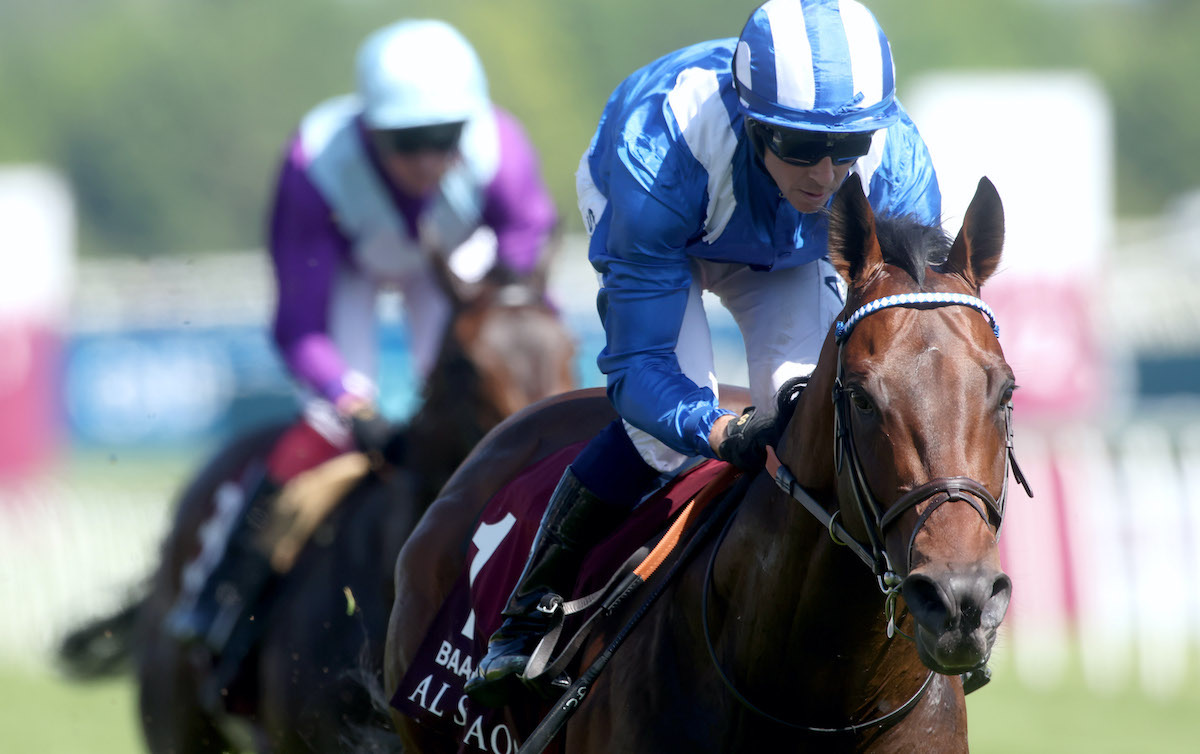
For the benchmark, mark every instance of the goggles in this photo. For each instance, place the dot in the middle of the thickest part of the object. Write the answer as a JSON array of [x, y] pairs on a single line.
[[442, 137], [807, 148]]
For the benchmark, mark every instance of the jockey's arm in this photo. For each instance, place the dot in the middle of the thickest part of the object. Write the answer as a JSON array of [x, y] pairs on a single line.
[[639, 249], [517, 205], [306, 247]]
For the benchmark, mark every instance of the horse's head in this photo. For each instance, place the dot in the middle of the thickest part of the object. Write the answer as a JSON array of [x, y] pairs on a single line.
[[517, 345], [504, 348], [921, 417]]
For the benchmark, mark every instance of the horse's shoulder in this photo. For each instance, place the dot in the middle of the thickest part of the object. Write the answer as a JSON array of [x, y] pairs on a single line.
[[432, 558], [513, 445]]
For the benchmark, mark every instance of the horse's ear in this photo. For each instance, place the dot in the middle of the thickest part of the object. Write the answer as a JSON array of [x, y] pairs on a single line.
[[853, 247], [976, 251]]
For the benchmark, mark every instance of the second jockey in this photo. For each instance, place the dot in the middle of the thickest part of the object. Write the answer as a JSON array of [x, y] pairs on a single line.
[[418, 162]]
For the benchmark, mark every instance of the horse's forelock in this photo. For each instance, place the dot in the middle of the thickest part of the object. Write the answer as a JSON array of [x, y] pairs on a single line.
[[911, 245]]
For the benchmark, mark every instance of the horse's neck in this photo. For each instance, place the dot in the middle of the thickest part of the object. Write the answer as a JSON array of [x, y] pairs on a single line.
[[786, 579], [451, 420], [807, 448], [802, 626]]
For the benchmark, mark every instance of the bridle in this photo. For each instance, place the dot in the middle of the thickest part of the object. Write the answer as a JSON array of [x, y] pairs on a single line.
[[852, 475], [877, 519]]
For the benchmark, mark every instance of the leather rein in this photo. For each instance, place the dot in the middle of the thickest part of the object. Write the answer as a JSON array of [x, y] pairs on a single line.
[[852, 475]]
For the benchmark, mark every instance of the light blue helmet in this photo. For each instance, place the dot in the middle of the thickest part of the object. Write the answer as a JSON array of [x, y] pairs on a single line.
[[419, 73], [816, 65]]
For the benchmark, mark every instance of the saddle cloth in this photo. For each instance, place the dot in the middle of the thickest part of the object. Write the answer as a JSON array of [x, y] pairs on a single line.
[[431, 691]]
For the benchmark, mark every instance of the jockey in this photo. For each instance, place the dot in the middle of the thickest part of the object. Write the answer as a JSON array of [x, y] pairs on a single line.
[[417, 163], [712, 169]]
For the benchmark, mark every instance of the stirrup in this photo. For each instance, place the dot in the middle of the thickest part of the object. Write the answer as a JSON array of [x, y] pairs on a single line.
[[547, 690]]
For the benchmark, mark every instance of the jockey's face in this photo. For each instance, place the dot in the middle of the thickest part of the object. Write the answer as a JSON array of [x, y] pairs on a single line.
[[418, 173], [808, 187], [416, 159]]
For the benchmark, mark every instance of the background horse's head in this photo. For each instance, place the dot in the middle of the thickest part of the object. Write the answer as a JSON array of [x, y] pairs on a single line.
[[922, 404], [504, 348]]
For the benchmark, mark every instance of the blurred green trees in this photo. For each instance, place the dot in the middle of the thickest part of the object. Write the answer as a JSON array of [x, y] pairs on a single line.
[[168, 116]]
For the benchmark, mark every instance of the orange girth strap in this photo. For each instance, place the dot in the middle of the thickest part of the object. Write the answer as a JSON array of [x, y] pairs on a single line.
[[686, 517]]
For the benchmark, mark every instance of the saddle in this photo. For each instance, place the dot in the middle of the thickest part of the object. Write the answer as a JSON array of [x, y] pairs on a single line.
[[431, 692], [305, 503]]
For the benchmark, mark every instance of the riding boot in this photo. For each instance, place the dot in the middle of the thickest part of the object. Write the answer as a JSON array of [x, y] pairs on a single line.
[[230, 590], [575, 521]]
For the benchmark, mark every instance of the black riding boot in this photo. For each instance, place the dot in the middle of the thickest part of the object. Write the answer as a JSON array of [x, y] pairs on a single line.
[[233, 586], [575, 521]]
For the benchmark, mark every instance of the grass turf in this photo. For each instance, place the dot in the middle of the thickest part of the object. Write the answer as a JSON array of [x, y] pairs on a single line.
[[43, 714], [1008, 717]]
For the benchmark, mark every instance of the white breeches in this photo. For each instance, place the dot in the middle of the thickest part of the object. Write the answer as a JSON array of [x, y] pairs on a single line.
[[783, 316], [353, 321]]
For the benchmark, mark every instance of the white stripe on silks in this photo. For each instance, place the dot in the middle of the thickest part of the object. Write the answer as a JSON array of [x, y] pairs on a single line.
[[794, 83], [866, 165], [866, 56], [741, 65], [704, 123]]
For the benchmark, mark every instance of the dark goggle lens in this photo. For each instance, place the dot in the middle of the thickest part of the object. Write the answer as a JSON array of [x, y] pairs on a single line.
[[807, 148], [442, 137]]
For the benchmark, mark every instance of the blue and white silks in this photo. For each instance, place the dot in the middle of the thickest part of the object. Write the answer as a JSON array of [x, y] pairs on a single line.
[[679, 180]]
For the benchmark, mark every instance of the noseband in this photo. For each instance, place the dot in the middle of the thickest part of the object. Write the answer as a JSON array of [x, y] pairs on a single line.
[[850, 469]]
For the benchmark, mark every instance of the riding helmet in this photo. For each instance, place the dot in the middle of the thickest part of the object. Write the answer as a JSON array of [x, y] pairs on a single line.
[[419, 73], [815, 65]]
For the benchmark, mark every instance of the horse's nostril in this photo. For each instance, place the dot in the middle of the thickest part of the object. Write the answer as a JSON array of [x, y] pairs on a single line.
[[997, 604], [927, 602]]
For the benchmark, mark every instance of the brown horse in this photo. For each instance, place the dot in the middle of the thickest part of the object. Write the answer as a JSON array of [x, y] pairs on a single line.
[[773, 636], [305, 687]]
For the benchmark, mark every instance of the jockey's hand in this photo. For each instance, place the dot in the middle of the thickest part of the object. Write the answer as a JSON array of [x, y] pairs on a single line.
[[501, 275], [377, 437], [746, 440]]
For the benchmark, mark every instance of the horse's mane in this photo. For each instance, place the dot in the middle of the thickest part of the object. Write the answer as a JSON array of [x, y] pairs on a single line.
[[910, 244], [905, 242]]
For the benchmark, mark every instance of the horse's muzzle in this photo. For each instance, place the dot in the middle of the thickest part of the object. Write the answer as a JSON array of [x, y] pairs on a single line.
[[957, 613]]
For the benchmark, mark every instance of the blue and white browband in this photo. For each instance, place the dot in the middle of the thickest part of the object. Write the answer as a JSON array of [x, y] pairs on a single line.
[[914, 299]]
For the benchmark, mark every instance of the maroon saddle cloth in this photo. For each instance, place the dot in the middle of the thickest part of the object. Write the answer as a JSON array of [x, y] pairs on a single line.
[[431, 691]]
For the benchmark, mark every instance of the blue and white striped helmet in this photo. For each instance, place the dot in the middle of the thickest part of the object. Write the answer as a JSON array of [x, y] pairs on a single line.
[[419, 73], [816, 65]]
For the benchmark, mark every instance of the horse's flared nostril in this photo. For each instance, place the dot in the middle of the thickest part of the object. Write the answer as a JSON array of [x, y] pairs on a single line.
[[965, 601], [982, 598], [928, 602], [996, 604]]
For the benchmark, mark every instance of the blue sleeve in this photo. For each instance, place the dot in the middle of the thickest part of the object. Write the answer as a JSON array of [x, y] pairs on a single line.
[[906, 183], [656, 194]]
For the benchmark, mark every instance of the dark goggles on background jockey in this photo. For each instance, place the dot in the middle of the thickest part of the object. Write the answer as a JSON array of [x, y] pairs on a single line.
[[442, 137], [807, 148]]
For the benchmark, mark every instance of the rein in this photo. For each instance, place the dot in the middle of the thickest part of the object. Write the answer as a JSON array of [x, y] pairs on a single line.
[[881, 721]]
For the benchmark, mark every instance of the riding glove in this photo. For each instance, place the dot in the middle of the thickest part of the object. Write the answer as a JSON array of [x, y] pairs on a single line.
[[747, 438], [375, 436]]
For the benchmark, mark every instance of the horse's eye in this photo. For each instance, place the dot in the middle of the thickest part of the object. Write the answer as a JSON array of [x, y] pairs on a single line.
[[1007, 396], [861, 402]]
